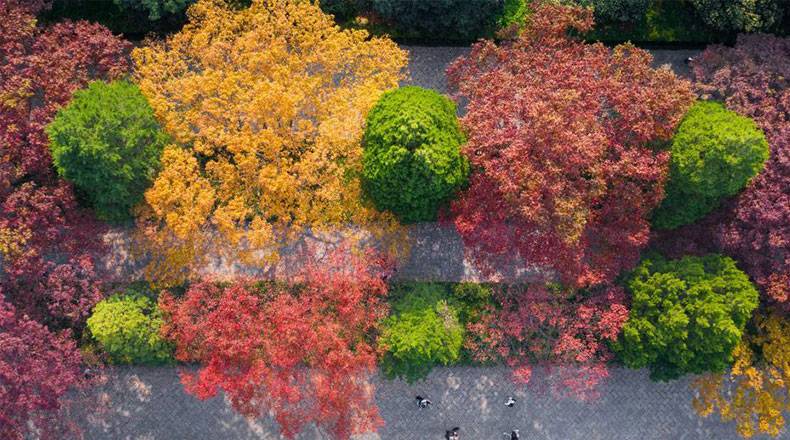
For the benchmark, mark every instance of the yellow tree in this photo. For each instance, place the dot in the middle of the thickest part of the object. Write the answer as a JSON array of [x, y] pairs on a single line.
[[756, 393], [267, 108]]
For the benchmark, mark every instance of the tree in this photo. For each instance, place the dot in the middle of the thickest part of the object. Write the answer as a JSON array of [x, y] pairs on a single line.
[[37, 368], [756, 392], [687, 315], [751, 78], [560, 136], [303, 351], [267, 106], [47, 244], [107, 142], [412, 163], [423, 331], [563, 331], [448, 20], [155, 8], [739, 15], [609, 11], [715, 154], [127, 329]]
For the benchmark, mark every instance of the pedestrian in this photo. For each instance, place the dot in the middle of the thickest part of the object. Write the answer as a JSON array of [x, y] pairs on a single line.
[[510, 402], [452, 434], [422, 402], [514, 434]]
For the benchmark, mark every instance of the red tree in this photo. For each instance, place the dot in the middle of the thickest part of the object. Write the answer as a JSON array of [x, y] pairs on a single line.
[[559, 136], [47, 244], [303, 351], [752, 79], [566, 334], [36, 369]]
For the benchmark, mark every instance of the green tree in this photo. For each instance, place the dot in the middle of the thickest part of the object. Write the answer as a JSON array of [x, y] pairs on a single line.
[[740, 15], [108, 143], [412, 163], [127, 328], [422, 332], [155, 8], [686, 315], [715, 154]]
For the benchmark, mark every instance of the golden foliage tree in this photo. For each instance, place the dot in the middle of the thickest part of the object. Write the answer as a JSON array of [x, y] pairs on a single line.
[[756, 392], [267, 108]]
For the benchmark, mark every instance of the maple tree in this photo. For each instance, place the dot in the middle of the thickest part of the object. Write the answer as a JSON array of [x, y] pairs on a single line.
[[564, 332], [37, 368], [267, 106], [560, 135], [47, 244], [756, 391], [751, 79], [302, 350]]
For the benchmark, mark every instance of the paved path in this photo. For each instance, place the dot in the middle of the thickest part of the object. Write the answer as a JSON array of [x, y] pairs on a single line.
[[149, 404]]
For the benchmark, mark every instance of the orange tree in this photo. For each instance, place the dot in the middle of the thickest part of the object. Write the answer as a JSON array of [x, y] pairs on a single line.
[[756, 392], [560, 142], [267, 107]]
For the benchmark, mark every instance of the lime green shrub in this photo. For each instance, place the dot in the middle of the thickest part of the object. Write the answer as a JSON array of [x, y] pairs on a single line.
[[127, 328], [108, 143], [423, 331], [412, 163], [715, 153], [686, 315]]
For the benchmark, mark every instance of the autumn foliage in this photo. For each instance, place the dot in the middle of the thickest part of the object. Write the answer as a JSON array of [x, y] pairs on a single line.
[[751, 78], [560, 136], [564, 334], [47, 243], [267, 106], [756, 391], [302, 351]]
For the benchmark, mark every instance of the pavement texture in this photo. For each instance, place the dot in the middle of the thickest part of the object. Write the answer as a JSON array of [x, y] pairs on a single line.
[[150, 404]]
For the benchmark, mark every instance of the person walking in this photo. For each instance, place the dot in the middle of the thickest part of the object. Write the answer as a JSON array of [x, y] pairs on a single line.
[[514, 434], [422, 402], [452, 434], [511, 402]]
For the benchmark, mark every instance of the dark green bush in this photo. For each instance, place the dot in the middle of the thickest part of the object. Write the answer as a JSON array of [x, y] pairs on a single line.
[[715, 153], [155, 8], [107, 142], [471, 299], [423, 331], [686, 315], [126, 326], [344, 10], [740, 15], [412, 162], [447, 20], [617, 10]]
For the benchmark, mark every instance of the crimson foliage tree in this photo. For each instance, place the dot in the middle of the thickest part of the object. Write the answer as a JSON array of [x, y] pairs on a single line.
[[37, 367], [752, 79], [47, 244], [564, 333], [302, 351], [560, 136]]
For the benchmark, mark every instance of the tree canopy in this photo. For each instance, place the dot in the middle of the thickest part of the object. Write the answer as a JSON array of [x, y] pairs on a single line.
[[267, 107], [560, 136], [687, 315]]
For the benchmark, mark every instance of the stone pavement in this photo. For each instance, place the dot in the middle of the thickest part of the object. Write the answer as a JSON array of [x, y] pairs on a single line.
[[150, 404]]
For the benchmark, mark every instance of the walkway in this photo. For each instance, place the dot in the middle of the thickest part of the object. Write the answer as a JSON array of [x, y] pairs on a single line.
[[150, 404]]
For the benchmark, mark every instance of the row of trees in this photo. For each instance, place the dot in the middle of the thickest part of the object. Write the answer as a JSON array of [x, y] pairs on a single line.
[[251, 125]]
